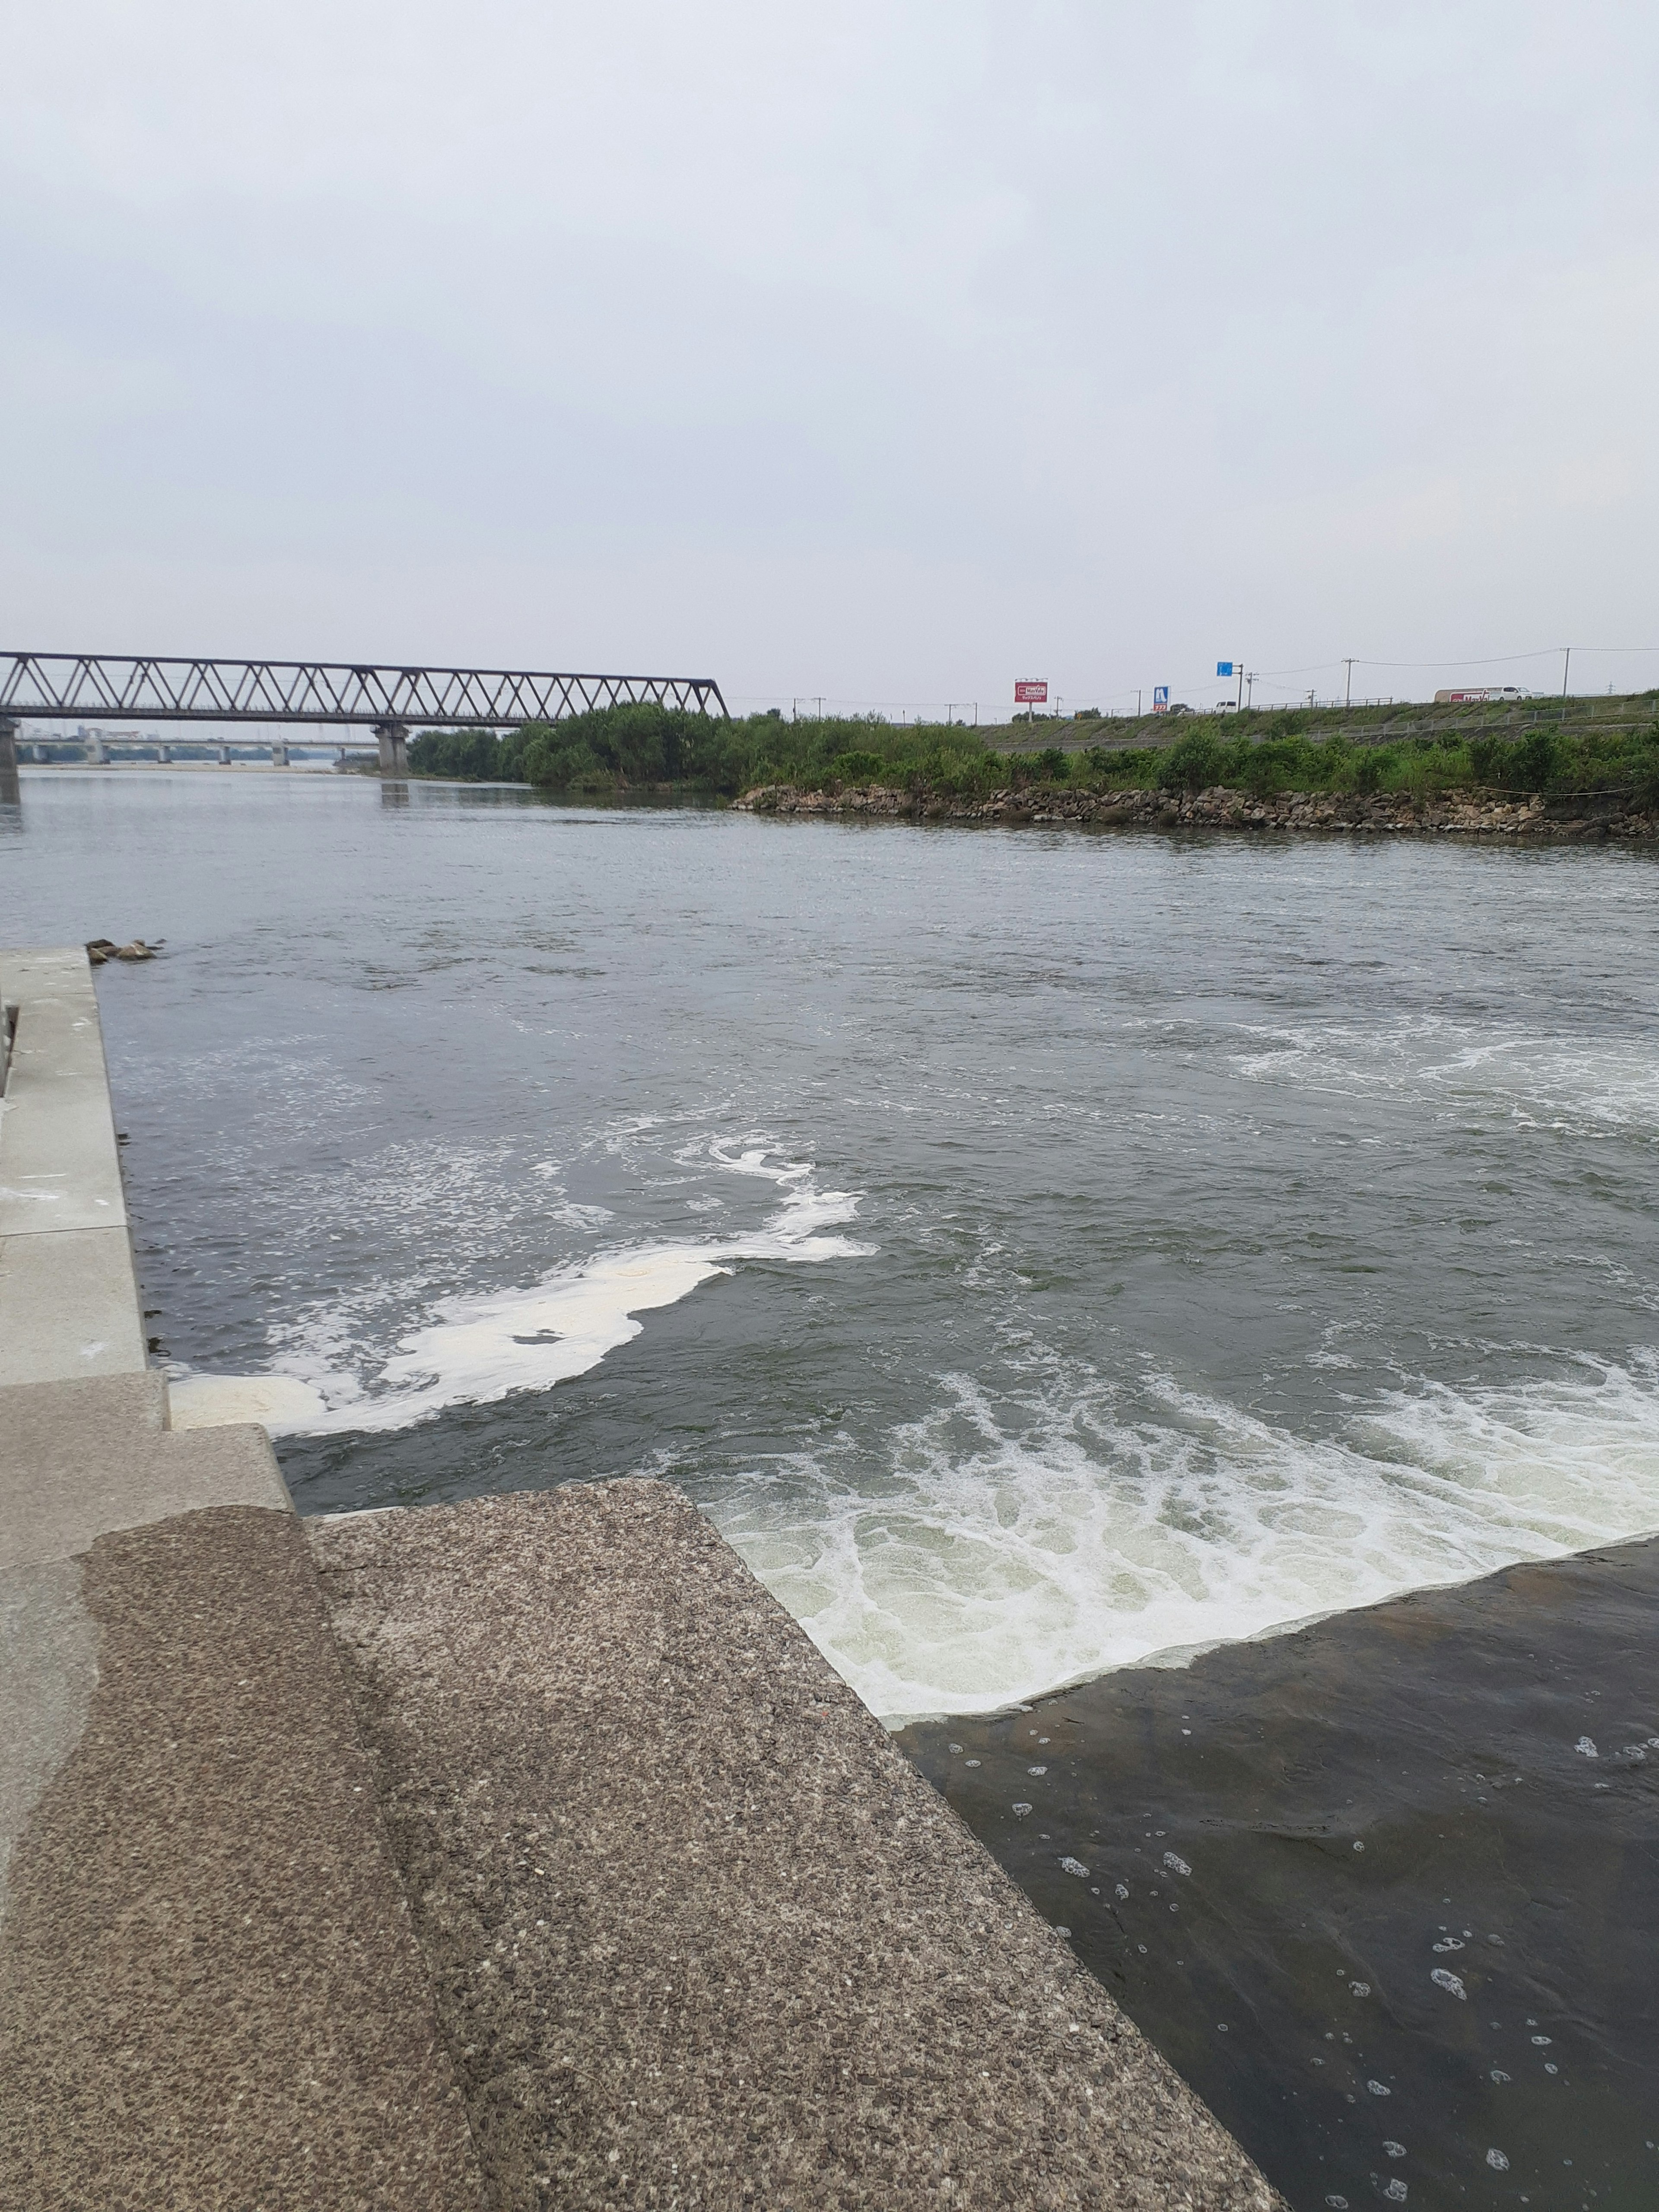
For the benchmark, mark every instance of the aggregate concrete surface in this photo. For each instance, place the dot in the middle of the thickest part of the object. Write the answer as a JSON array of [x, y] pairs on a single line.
[[80, 1459], [700, 1936], [209, 1992]]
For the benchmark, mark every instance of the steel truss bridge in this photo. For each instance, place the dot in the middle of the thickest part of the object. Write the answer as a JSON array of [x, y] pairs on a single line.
[[59, 686]]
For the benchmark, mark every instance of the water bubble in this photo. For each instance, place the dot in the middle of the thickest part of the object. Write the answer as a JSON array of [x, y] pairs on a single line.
[[1496, 2160], [1360, 1989], [1360, 1847], [1338, 2203], [1449, 1983], [1061, 1931], [1075, 1866], [1037, 1769], [1221, 2028], [1379, 2090], [955, 1750], [1585, 1748], [1020, 1811], [1451, 1943], [1175, 1863], [1393, 2150], [973, 1762], [1549, 2067], [1396, 2191], [1122, 1889], [1499, 2074]]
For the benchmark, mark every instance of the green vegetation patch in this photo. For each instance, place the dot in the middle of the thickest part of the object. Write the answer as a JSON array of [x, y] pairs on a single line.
[[648, 748]]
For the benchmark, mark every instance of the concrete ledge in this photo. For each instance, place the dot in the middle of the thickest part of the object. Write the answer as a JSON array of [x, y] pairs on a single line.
[[699, 1935], [62, 1169], [210, 1995], [69, 1306], [68, 1301], [78, 1459]]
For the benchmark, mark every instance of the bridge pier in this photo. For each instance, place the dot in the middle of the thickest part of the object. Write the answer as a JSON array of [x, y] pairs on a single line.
[[163, 755], [224, 756], [10, 794], [278, 753], [394, 747]]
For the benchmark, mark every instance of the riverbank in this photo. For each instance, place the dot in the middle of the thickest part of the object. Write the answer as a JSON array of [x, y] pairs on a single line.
[[1586, 819]]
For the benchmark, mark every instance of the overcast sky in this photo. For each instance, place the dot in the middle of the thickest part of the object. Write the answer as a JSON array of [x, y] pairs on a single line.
[[880, 352]]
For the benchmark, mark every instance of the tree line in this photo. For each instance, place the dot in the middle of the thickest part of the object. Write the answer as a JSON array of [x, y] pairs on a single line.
[[645, 747]]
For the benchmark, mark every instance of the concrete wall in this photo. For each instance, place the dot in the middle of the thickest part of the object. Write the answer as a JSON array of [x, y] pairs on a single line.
[[69, 1299]]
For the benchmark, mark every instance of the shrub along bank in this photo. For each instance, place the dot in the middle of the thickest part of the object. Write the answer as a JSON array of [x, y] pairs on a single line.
[[648, 748]]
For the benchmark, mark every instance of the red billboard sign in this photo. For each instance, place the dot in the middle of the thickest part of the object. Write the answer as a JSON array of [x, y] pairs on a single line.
[[1029, 692]]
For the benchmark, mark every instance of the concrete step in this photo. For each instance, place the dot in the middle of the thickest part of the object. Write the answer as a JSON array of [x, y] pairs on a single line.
[[698, 1934], [211, 1995]]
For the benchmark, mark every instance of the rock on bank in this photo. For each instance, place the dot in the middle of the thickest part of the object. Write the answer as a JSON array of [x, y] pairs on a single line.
[[1592, 819]]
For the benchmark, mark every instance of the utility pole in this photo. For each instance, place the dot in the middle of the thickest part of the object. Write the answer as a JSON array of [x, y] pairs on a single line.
[[1347, 687], [1250, 679], [1566, 663]]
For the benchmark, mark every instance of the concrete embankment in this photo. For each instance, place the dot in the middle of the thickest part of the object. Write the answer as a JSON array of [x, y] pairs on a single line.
[[517, 1853], [1592, 819]]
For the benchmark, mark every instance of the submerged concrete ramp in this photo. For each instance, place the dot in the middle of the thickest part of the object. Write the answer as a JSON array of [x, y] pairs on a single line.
[[699, 1935]]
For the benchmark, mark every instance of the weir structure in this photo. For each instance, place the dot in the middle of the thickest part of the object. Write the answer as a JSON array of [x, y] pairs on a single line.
[[386, 699], [491, 1857]]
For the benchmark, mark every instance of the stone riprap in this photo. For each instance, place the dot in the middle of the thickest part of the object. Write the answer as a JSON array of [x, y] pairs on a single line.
[[700, 1936], [1592, 820]]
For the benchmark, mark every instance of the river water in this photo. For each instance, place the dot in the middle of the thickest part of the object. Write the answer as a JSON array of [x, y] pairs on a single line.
[[1035, 1250], [1039, 1252]]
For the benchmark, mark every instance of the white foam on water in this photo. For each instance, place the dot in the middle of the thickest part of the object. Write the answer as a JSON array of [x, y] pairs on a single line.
[[984, 1568], [477, 1348], [1582, 1086]]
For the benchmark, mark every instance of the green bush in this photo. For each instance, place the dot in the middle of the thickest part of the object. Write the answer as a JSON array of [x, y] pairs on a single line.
[[858, 767], [1192, 763], [471, 756]]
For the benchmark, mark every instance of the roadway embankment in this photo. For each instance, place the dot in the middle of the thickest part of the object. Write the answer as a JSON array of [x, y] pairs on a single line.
[[518, 1853]]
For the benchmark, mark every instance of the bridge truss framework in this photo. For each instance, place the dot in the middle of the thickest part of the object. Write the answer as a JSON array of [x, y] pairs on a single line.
[[57, 686]]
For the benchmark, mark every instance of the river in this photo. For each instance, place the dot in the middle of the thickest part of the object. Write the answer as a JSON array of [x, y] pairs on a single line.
[[1038, 1252]]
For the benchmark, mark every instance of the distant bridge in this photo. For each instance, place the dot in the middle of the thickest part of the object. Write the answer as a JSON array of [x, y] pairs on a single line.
[[56, 686]]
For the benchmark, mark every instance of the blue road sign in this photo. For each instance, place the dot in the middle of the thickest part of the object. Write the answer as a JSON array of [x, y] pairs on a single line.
[[1160, 697], [1223, 668]]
